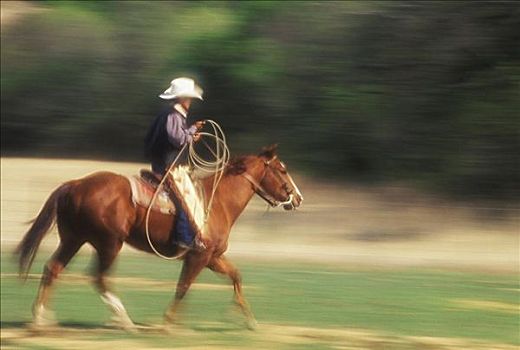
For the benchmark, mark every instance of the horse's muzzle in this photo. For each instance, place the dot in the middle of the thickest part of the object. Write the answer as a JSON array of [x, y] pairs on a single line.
[[295, 202]]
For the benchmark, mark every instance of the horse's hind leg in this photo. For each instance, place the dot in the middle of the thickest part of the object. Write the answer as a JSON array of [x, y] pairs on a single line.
[[61, 257], [223, 266], [107, 253]]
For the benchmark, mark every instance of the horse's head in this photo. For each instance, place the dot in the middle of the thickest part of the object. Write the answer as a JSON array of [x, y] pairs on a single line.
[[276, 185]]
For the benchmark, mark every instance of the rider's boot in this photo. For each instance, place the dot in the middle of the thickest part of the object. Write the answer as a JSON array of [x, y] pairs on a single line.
[[186, 237], [198, 245]]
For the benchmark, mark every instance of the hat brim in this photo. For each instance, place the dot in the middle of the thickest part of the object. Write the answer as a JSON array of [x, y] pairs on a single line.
[[166, 96]]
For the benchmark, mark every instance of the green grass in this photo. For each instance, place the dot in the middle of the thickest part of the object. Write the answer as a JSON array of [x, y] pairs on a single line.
[[404, 302]]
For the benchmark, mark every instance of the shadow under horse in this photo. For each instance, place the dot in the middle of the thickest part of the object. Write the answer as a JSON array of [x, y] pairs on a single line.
[[98, 210]]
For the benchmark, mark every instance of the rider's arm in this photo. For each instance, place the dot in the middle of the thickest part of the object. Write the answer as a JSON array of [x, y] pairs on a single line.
[[177, 135]]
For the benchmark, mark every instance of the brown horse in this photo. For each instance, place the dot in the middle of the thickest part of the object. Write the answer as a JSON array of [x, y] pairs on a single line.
[[98, 209]]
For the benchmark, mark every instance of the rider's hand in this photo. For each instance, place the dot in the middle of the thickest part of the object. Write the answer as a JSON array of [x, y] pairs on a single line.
[[199, 124], [196, 137]]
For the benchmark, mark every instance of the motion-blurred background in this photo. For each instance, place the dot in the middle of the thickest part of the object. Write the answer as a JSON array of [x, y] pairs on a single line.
[[398, 119], [426, 92]]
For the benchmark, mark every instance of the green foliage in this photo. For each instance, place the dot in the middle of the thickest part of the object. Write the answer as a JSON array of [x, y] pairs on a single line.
[[425, 92]]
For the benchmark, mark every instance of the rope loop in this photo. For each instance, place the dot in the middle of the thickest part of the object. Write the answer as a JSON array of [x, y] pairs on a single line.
[[215, 167]]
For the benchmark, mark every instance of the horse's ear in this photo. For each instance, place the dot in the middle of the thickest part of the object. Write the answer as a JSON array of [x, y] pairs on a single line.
[[269, 152]]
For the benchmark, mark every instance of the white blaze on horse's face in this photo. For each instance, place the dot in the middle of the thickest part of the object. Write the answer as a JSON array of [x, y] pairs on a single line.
[[282, 185], [298, 198]]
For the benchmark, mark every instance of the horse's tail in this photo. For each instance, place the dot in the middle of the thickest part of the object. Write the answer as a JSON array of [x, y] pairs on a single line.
[[40, 226]]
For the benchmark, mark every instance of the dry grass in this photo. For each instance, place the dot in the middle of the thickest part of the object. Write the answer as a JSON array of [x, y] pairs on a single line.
[[377, 227], [488, 305]]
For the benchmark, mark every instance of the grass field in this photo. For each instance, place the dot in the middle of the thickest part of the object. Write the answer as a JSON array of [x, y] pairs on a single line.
[[356, 268], [297, 306]]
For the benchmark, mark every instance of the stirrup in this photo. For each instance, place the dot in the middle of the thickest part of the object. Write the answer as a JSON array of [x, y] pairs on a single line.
[[199, 245], [196, 245]]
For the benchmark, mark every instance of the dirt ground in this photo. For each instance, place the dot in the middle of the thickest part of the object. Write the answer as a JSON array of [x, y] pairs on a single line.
[[265, 337], [338, 224]]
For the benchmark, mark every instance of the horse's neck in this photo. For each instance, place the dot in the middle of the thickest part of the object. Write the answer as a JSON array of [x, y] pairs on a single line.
[[232, 195]]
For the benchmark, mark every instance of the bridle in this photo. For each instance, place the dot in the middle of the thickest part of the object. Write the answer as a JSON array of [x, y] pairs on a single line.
[[259, 189]]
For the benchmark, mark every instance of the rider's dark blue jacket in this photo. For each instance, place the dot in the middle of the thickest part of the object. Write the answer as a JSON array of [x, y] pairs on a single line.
[[168, 133]]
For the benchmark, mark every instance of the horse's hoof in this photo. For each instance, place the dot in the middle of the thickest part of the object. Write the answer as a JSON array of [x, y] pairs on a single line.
[[43, 324], [170, 328], [123, 323], [251, 324], [170, 318], [127, 328], [44, 318]]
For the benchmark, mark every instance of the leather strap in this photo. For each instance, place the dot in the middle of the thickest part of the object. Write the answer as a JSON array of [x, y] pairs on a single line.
[[260, 190], [258, 187]]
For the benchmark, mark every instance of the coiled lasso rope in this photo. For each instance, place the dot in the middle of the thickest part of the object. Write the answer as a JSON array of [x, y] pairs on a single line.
[[215, 166]]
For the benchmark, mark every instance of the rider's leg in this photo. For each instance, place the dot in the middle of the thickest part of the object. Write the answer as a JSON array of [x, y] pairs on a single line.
[[185, 234]]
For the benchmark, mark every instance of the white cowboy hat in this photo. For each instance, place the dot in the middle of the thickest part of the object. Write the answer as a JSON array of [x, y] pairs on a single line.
[[182, 87]]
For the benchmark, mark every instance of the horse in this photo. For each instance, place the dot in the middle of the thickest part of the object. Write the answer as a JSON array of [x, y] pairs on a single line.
[[98, 209]]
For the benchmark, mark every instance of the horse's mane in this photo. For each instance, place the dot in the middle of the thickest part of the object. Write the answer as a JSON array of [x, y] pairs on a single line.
[[236, 166]]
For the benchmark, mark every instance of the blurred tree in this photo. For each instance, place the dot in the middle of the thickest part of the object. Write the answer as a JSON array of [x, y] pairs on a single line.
[[426, 92]]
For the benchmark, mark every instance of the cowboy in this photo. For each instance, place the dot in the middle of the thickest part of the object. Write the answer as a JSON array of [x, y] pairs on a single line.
[[167, 136]]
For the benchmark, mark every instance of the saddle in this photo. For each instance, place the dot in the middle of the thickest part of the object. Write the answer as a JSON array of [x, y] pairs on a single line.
[[143, 188], [190, 195], [150, 176]]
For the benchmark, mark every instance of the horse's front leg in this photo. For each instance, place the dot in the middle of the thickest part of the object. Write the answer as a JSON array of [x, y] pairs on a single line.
[[223, 266], [194, 262]]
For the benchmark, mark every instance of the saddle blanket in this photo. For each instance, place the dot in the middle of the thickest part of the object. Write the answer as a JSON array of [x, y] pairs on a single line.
[[142, 193]]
